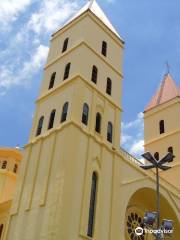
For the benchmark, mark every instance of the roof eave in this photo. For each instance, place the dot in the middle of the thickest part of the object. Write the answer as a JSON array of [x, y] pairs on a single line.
[[151, 108], [88, 11]]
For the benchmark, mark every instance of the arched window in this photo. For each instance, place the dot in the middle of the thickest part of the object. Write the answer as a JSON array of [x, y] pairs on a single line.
[[92, 206], [52, 80], [161, 127], [109, 86], [4, 165], [156, 156], [104, 48], [85, 114], [15, 168], [64, 112], [98, 123], [1, 230], [109, 132], [65, 45], [51, 119], [40, 125], [94, 74], [170, 149], [67, 70]]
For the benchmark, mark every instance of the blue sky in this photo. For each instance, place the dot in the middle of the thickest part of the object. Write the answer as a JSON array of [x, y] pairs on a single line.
[[151, 30]]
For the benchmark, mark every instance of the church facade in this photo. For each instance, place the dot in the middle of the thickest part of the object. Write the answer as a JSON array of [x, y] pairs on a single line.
[[75, 182]]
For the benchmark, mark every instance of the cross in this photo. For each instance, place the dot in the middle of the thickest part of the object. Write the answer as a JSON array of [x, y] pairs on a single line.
[[168, 67]]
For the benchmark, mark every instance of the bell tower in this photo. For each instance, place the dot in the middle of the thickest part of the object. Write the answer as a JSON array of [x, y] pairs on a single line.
[[64, 178], [162, 126]]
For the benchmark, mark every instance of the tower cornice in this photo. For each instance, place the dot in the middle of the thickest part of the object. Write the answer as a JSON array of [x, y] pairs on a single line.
[[162, 107], [70, 81], [85, 44]]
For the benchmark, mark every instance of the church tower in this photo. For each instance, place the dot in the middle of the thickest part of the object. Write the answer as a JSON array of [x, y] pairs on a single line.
[[65, 177], [162, 126]]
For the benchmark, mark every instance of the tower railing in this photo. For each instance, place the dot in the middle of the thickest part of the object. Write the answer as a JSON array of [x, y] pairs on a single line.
[[129, 157]]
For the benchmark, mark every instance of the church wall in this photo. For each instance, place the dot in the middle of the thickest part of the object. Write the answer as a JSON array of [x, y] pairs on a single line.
[[137, 181], [84, 69], [168, 112], [58, 188], [156, 142], [70, 93], [87, 30], [104, 71], [162, 144], [57, 185]]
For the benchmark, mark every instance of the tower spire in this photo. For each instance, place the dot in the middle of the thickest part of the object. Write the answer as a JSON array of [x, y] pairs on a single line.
[[90, 2]]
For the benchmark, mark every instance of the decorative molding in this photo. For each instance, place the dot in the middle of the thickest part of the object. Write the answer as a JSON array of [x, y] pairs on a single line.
[[70, 81], [89, 47]]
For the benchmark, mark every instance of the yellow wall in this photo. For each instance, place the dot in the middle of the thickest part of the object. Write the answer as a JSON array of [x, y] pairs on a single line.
[[156, 142], [7, 181], [93, 37]]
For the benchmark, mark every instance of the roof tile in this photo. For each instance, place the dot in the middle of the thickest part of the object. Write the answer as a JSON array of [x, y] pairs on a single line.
[[168, 90]]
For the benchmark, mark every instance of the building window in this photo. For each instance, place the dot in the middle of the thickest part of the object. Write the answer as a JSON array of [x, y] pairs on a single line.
[[104, 48], [85, 114], [161, 127], [92, 206], [52, 80], [98, 123], [51, 119], [156, 156], [40, 125], [65, 45], [15, 168], [170, 149], [109, 132], [64, 112], [109, 86], [67, 70], [1, 230], [4, 165], [94, 74], [134, 220]]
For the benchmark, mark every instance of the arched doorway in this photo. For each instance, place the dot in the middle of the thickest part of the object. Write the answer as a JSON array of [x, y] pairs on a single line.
[[145, 200]]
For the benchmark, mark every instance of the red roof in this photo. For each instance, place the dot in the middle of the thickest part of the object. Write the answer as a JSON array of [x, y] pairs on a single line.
[[167, 91]]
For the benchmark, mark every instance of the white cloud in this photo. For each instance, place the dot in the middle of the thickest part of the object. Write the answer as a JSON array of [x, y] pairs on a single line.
[[133, 124], [38, 58], [132, 136], [51, 15], [27, 45], [125, 139], [137, 148], [10, 10], [10, 76]]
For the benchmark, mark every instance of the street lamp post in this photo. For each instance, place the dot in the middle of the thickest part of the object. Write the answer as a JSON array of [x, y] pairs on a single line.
[[157, 164]]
